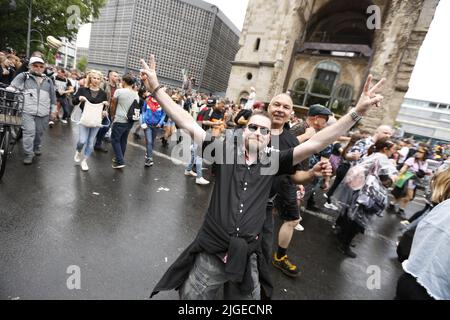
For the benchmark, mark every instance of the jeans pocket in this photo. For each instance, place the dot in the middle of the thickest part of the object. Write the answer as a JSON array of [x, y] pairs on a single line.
[[199, 280]]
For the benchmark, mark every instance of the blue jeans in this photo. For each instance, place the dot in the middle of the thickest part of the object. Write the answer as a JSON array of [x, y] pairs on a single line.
[[65, 105], [119, 139], [86, 138], [102, 133], [150, 136], [198, 161], [208, 275]]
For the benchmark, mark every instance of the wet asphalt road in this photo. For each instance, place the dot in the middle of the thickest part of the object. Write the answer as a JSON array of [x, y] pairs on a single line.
[[124, 228]]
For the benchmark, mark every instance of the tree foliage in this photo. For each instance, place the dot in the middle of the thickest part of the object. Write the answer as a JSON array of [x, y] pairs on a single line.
[[50, 17], [82, 64]]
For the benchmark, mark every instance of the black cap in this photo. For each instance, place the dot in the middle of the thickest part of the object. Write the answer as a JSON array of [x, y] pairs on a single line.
[[211, 102], [319, 110]]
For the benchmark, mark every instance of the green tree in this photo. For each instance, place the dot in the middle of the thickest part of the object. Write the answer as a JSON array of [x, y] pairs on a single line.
[[50, 17], [82, 64]]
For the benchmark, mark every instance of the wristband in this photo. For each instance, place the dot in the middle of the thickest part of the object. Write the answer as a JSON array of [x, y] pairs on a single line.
[[156, 90], [355, 116]]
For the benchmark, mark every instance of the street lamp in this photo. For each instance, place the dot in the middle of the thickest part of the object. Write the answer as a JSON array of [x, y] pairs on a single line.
[[13, 6], [30, 17], [40, 34]]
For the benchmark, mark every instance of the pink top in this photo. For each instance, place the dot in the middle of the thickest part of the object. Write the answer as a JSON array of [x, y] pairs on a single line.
[[415, 165]]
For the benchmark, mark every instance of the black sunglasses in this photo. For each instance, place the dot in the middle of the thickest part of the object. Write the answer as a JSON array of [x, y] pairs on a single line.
[[253, 127]]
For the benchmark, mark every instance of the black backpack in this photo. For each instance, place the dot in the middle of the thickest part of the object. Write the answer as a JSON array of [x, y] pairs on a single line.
[[134, 113]]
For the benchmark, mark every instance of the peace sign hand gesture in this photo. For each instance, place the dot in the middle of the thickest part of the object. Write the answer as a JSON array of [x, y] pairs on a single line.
[[148, 73], [370, 96]]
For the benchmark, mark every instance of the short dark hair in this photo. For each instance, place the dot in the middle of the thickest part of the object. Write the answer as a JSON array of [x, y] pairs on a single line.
[[129, 80]]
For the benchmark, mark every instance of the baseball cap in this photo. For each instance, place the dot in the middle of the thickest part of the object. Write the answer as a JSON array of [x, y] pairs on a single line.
[[36, 60], [211, 102], [319, 110]]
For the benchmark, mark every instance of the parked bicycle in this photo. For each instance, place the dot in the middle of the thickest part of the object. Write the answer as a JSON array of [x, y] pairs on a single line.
[[11, 108]]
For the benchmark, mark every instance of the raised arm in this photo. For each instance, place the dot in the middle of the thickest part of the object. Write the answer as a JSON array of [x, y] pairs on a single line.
[[319, 141], [181, 117]]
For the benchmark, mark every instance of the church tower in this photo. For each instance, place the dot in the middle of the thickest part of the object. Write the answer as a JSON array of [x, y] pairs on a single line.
[[322, 51]]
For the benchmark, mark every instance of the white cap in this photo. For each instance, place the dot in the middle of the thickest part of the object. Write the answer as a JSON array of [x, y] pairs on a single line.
[[36, 60]]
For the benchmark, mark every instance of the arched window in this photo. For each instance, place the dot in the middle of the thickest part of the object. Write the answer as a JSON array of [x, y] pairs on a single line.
[[325, 77], [342, 99], [299, 91]]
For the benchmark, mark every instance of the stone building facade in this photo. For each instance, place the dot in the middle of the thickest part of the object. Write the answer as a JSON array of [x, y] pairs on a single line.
[[322, 51]]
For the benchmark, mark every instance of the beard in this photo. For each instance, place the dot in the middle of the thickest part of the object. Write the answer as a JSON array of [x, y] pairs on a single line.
[[36, 74]]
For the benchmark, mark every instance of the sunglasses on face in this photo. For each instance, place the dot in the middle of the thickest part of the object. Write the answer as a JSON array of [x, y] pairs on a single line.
[[263, 130]]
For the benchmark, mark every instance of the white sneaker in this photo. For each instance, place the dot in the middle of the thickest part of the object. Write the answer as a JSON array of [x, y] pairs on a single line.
[[190, 173], [84, 165], [405, 223], [299, 227], [63, 121], [330, 206], [77, 157], [201, 181]]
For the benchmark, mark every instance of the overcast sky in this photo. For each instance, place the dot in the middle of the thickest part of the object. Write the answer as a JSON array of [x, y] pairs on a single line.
[[429, 80]]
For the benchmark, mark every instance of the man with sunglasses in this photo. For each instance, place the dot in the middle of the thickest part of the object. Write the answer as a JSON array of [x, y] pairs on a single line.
[[40, 100], [227, 249]]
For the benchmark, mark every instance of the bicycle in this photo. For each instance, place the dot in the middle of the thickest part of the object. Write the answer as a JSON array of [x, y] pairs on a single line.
[[11, 108]]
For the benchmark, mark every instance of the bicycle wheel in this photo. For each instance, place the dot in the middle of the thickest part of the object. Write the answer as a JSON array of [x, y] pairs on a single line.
[[4, 147], [15, 136]]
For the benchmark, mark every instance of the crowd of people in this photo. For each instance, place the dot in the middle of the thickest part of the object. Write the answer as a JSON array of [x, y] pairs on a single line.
[[356, 171]]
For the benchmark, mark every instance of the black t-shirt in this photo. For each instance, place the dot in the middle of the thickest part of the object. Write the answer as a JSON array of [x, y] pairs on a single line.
[[285, 141], [214, 116], [93, 97], [210, 115], [245, 113]]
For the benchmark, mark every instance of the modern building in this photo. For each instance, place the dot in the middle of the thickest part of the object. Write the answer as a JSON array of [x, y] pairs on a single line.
[[323, 50], [190, 36], [82, 52], [425, 120], [66, 55]]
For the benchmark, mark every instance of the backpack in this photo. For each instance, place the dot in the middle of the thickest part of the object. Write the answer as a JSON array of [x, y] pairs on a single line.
[[373, 195], [134, 112]]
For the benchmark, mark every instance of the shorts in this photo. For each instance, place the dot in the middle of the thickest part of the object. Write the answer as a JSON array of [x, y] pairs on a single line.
[[286, 201], [411, 184]]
